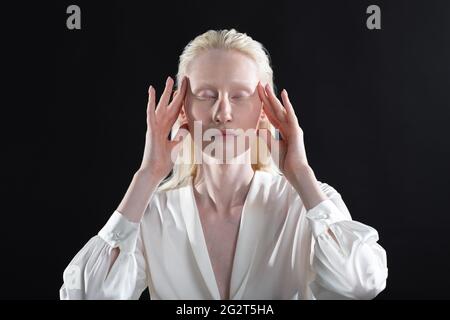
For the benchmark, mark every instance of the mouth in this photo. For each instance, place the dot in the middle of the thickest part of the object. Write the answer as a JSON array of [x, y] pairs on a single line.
[[227, 133]]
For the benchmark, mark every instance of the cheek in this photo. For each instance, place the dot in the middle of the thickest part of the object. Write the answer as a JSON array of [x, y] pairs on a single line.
[[196, 111], [249, 113]]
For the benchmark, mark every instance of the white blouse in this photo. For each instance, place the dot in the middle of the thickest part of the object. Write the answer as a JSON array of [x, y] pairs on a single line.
[[283, 251]]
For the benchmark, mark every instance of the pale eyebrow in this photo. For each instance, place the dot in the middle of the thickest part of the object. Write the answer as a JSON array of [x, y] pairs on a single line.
[[203, 87], [245, 85]]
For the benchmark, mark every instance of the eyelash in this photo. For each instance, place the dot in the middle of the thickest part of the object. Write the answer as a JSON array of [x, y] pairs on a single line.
[[208, 98], [205, 98]]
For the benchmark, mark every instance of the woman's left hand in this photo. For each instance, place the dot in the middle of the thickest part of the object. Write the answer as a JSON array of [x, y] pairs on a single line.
[[292, 154]]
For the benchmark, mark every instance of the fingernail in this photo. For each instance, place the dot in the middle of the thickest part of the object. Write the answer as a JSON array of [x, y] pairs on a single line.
[[167, 80]]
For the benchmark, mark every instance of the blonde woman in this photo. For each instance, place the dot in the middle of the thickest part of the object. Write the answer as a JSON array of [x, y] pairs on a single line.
[[262, 227]]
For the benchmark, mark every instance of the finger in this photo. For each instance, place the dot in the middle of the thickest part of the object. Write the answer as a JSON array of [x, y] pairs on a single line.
[[287, 103], [267, 106], [165, 97], [272, 118], [269, 140], [276, 104], [271, 112], [266, 103], [266, 136], [151, 105], [177, 102]]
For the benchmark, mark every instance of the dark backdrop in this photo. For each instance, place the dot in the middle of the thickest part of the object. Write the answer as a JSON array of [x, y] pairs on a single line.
[[374, 106]]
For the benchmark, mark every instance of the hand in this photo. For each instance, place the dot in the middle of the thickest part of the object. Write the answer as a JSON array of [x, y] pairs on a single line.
[[282, 115], [158, 150]]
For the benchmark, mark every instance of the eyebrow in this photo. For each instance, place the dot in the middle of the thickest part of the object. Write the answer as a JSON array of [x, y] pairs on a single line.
[[235, 83]]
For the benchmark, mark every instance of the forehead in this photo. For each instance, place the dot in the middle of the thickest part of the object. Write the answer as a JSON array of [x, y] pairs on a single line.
[[219, 67]]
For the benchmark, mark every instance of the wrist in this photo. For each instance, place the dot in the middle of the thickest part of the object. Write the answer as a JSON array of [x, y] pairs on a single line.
[[149, 175], [301, 169], [301, 176]]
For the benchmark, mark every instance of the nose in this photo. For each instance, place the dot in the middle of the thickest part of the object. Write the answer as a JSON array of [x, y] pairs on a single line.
[[223, 113]]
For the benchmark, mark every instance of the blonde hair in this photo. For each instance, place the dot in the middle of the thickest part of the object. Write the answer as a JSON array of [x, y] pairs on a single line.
[[226, 40]]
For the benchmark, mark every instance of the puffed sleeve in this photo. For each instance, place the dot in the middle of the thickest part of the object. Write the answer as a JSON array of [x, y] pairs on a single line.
[[89, 276], [348, 263]]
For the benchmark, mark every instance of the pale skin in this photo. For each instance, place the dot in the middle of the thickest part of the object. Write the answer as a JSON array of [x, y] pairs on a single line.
[[211, 93]]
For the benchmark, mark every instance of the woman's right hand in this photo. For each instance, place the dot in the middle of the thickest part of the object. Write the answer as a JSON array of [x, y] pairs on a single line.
[[158, 149]]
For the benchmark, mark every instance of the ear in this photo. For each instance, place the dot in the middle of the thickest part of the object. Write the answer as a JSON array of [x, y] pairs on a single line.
[[263, 122], [183, 116]]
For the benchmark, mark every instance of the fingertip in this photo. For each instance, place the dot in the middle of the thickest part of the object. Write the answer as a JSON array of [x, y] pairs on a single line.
[[268, 92], [260, 87]]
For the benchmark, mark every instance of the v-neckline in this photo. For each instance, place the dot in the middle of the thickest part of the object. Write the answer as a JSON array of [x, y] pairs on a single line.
[[238, 245]]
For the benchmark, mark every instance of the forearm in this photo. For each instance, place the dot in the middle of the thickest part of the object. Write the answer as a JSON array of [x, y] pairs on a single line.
[[307, 186], [138, 195]]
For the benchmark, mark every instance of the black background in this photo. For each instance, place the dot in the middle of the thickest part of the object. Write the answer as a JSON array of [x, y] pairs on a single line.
[[373, 104]]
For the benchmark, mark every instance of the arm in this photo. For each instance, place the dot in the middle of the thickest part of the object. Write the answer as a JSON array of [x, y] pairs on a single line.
[[348, 262], [136, 199], [112, 265], [305, 183], [157, 160]]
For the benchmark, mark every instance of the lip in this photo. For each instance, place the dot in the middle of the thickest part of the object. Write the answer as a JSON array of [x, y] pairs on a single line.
[[227, 132]]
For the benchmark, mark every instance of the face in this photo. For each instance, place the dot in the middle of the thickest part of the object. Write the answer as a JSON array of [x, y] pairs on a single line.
[[222, 94]]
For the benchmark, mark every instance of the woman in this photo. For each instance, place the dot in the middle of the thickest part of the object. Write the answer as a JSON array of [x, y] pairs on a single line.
[[245, 226]]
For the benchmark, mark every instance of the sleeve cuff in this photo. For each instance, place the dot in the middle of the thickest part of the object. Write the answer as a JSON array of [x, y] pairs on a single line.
[[322, 216], [120, 232]]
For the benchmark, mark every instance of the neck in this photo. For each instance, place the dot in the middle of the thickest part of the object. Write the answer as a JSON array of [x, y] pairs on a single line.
[[224, 186]]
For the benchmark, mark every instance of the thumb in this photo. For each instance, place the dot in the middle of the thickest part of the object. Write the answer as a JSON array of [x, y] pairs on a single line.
[[266, 144], [266, 135]]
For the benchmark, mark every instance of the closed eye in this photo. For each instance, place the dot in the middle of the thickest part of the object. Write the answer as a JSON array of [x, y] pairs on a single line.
[[205, 97], [240, 96]]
